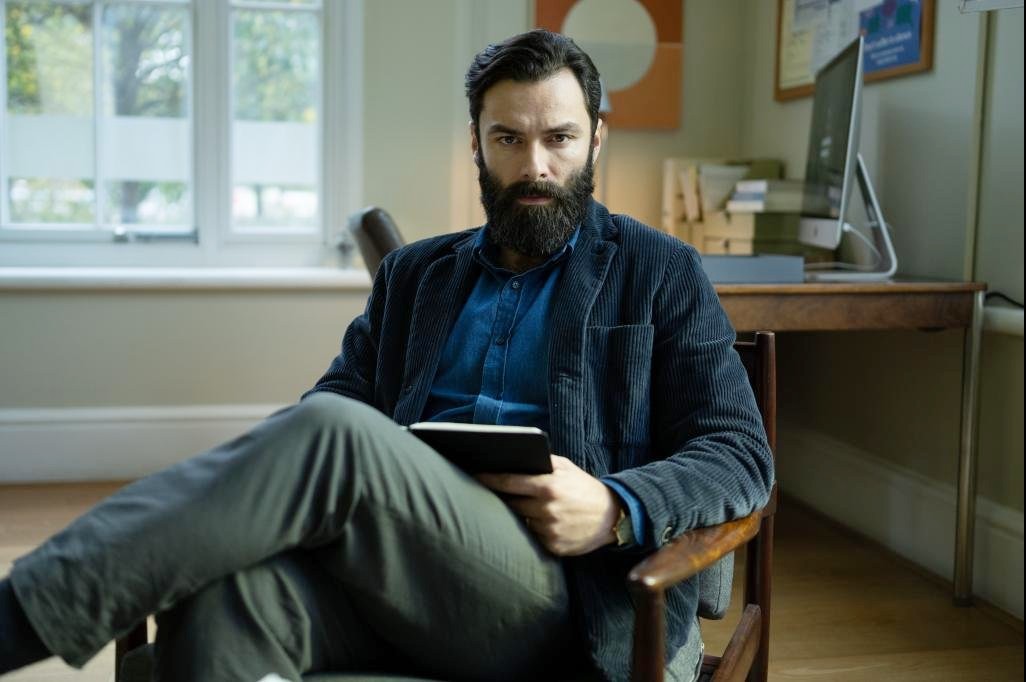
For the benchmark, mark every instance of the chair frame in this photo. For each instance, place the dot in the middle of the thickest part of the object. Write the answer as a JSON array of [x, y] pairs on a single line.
[[747, 653]]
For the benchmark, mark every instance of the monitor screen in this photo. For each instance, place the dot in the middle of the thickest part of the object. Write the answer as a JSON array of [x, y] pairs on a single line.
[[833, 143]]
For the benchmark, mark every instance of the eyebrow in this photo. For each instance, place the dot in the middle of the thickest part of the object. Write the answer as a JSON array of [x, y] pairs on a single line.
[[568, 127]]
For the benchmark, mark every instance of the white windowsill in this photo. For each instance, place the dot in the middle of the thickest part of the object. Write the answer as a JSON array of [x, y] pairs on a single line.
[[125, 278]]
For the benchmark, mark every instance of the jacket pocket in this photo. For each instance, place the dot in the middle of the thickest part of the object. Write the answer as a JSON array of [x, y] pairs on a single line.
[[618, 364]]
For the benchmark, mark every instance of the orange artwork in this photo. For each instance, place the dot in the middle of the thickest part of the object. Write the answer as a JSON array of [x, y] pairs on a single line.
[[653, 100]]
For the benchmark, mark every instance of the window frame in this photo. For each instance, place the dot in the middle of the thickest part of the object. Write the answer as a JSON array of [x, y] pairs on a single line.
[[212, 241]]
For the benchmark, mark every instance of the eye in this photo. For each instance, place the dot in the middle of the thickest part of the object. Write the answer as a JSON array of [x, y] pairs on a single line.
[[507, 140], [561, 138]]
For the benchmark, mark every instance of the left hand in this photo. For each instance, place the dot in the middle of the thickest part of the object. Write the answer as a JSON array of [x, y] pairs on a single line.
[[570, 511]]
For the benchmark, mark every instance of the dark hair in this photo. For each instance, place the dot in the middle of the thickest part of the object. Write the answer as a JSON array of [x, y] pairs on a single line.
[[531, 57]]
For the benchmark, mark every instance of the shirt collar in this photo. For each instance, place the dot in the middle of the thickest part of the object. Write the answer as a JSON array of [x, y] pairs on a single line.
[[485, 252]]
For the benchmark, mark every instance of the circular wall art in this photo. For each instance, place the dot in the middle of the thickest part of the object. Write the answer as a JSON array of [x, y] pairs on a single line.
[[636, 46]]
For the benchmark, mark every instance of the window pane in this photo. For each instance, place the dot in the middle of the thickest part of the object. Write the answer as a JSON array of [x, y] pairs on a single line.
[[48, 123], [275, 150], [148, 203], [146, 155], [49, 58], [43, 200]]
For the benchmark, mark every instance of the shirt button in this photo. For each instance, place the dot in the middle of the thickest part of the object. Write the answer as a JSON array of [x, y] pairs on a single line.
[[500, 340], [516, 284]]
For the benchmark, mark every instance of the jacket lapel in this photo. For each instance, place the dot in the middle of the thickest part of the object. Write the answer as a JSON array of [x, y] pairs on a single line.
[[571, 309], [440, 296]]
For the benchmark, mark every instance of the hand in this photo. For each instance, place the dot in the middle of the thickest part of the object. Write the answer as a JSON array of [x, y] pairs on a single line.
[[570, 511]]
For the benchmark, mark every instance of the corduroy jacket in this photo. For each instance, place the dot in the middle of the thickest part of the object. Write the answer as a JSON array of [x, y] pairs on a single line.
[[644, 385]]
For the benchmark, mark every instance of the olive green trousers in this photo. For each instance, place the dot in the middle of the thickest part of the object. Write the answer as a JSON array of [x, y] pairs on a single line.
[[325, 539]]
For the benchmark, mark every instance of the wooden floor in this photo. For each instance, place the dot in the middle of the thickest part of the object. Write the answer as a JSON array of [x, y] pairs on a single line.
[[843, 609]]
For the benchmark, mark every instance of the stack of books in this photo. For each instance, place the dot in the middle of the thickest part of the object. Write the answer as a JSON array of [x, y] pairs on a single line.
[[766, 196], [761, 217], [694, 188], [745, 234]]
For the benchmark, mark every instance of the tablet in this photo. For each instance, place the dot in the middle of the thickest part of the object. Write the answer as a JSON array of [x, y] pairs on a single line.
[[488, 448]]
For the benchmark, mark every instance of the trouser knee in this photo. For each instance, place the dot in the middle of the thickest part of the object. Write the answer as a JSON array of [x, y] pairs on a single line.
[[331, 415]]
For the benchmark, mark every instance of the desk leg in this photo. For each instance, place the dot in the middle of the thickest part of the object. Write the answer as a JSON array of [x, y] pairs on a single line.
[[966, 505]]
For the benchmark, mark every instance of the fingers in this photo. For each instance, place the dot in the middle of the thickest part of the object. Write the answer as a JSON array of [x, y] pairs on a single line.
[[518, 484], [527, 484], [531, 508]]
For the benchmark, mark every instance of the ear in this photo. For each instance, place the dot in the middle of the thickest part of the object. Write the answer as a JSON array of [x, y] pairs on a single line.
[[596, 140], [475, 146]]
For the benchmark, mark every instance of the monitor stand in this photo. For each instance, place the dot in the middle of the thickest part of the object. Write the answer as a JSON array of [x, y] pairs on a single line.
[[887, 262]]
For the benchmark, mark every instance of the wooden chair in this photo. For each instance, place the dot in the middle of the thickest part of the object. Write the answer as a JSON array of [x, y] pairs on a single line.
[[747, 653]]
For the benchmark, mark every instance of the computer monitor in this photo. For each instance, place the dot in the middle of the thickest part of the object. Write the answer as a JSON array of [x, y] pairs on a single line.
[[833, 144], [834, 167]]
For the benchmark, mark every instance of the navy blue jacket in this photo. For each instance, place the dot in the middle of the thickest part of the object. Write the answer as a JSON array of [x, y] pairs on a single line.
[[644, 385]]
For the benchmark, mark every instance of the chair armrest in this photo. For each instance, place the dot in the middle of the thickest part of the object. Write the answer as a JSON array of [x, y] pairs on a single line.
[[682, 558], [691, 553]]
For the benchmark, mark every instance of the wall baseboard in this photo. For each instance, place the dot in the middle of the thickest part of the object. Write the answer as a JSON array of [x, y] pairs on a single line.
[[910, 514], [113, 443]]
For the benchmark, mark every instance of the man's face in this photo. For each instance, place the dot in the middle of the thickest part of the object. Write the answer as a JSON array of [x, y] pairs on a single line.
[[535, 156]]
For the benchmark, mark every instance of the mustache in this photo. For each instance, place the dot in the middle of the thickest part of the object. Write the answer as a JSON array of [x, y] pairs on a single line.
[[535, 188]]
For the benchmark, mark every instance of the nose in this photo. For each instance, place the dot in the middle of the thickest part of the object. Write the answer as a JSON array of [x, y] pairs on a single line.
[[536, 163]]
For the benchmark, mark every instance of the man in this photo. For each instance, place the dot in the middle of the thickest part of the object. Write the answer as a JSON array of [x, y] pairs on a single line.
[[329, 539]]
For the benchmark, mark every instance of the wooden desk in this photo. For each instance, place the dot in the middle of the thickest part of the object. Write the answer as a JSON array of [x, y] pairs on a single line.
[[886, 305]]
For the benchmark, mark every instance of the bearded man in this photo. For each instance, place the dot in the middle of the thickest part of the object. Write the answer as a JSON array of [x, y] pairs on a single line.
[[330, 539]]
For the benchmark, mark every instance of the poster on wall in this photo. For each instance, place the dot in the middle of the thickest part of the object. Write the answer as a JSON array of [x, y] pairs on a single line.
[[637, 46], [898, 39]]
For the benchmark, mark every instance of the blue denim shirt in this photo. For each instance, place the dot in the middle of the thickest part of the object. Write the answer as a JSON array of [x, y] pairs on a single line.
[[494, 367]]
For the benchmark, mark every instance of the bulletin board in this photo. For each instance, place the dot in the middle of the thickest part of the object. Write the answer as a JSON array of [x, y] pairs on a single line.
[[898, 39]]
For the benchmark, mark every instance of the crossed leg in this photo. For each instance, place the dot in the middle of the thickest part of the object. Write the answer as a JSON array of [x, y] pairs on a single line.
[[325, 516]]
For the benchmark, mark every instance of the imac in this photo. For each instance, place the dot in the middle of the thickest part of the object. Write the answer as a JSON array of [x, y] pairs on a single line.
[[833, 166]]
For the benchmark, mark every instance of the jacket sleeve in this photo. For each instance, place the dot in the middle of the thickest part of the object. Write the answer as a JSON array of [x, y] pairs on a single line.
[[715, 462], [353, 371]]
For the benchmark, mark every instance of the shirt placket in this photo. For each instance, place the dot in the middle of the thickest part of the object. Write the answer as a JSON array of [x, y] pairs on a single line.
[[488, 408]]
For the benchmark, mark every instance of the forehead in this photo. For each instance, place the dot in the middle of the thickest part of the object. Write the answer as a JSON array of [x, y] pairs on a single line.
[[556, 100]]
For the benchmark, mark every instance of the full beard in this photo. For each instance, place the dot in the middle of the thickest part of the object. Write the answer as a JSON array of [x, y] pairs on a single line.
[[535, 231]]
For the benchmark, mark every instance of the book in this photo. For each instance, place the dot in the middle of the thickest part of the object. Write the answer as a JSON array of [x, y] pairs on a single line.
[[716, 182], [779, 203], [488, 448], [765, 186], [764, 195], [771, 226], [689, 187]]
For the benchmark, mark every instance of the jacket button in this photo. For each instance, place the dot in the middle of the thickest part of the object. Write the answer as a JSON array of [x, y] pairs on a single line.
[[407, 388], [667, 534]]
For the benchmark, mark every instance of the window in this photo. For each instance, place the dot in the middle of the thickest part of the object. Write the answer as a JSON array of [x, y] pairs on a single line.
[[177, 132]]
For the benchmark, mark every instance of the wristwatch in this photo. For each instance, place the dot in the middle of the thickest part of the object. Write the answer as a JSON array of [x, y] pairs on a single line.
[[623, 529]]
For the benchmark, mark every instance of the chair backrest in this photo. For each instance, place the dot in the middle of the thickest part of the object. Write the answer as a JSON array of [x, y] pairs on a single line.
[[758, 355], [376, 235], [760, 360]]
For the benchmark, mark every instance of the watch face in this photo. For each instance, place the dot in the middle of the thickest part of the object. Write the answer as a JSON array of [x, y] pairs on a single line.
[[624, 531]]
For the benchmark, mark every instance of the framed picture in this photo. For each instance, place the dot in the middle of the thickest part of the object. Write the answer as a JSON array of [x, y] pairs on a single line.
[[898, 39]]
